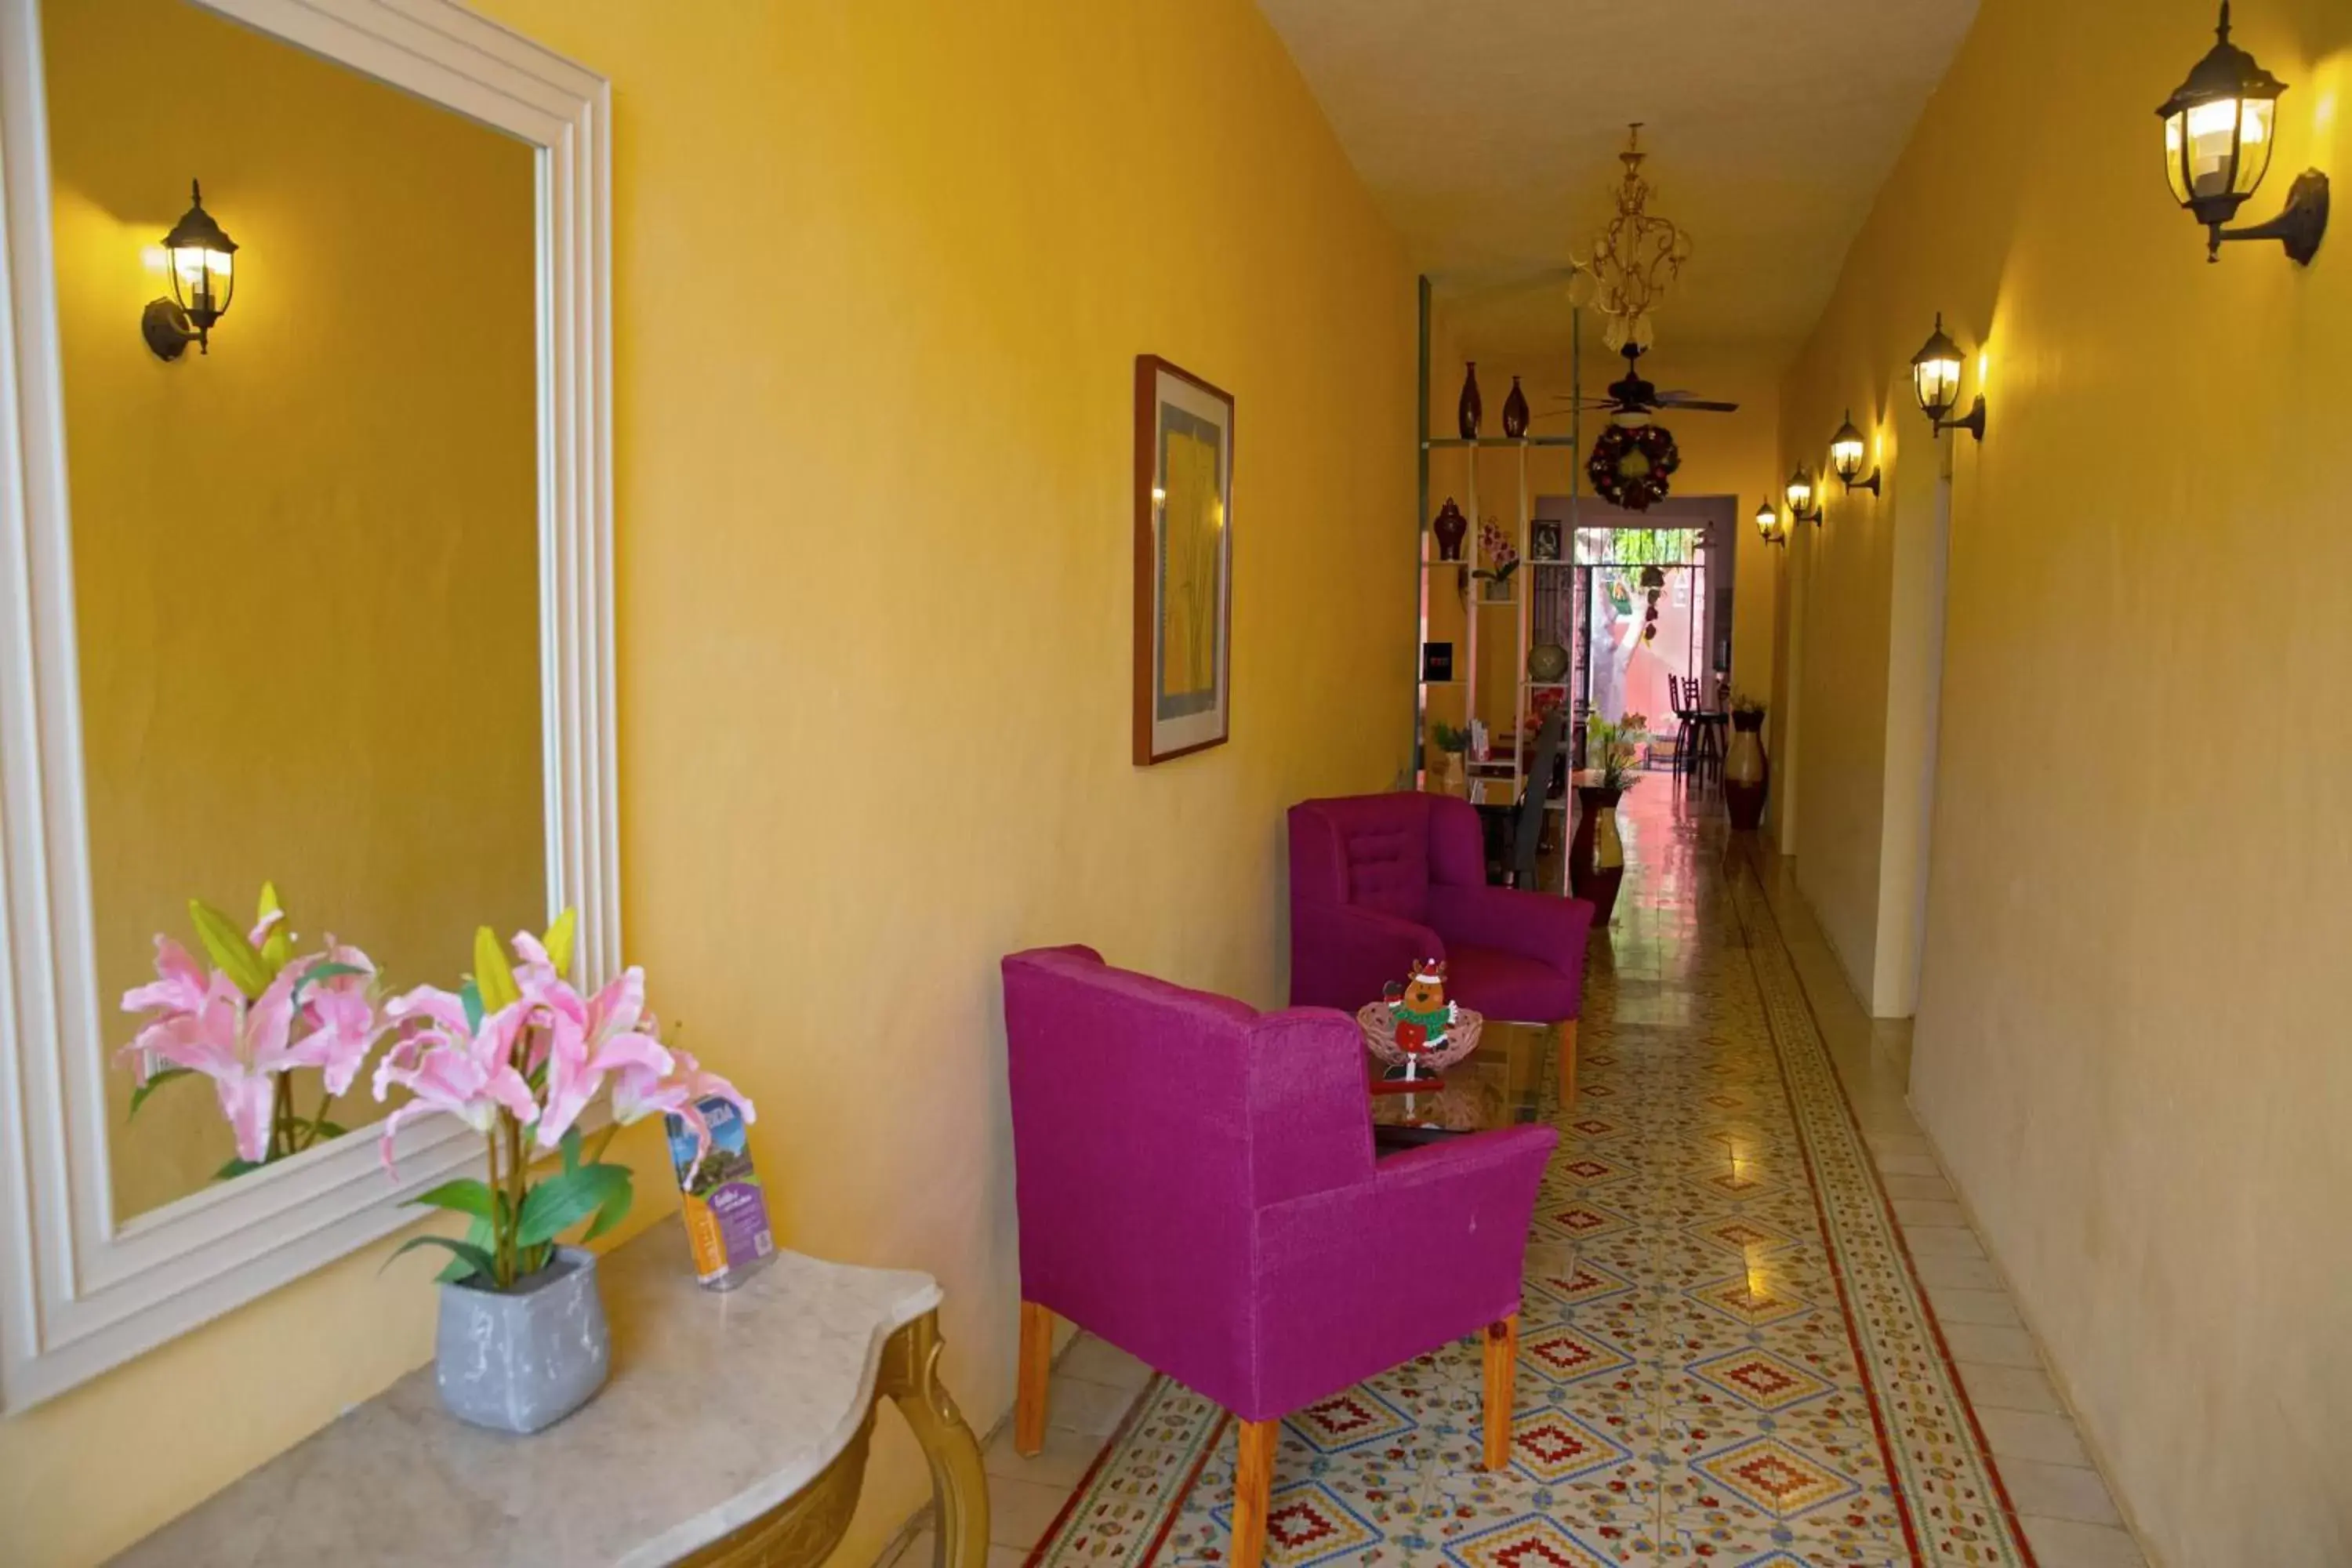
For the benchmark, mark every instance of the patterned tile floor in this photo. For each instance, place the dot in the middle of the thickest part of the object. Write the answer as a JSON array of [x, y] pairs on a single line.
[[1725, 1356]]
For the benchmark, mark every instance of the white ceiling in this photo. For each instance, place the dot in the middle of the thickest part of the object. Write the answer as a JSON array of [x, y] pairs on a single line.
[[1488, 130]]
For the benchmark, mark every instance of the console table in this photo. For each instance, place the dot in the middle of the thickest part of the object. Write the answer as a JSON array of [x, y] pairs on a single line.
[[733, 1432]]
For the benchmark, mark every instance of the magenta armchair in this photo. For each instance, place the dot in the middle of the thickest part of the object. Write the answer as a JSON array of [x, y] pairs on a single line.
[[1196, 1185], [1378, 880]]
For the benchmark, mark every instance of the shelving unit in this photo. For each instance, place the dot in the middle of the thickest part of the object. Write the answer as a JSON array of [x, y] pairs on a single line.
[[1444, 585]]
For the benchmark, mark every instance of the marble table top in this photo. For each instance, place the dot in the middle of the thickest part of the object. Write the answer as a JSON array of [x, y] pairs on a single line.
[[721, 1406]]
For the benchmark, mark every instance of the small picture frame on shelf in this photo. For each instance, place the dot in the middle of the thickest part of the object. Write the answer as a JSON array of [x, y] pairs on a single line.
[[1545, 543], [1437, 661]]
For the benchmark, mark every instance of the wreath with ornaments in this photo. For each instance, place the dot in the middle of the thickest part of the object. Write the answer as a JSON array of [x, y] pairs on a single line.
[[1630, 464]]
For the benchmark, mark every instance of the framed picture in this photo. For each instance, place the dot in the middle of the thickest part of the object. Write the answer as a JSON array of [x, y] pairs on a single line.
[[1183, 562], [1437, 661], [1547, 540]]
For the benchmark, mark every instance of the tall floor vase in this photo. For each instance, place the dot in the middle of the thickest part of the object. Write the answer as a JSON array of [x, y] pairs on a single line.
[[1596, 856], [1747, 771]]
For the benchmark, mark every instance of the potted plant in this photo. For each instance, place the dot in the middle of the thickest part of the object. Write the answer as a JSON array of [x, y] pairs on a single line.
[[1503, 556], [1746, 771], [1596, 856], [1449, 777], [519, 1055]]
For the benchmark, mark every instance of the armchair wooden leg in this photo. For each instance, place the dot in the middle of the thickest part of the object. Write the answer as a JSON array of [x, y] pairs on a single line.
[[1502, 1379], [1036, 1374], [1567, 1067], [1252, 1491]]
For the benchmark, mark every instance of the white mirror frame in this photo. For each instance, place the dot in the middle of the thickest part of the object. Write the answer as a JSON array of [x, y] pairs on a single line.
[[79, 1293]]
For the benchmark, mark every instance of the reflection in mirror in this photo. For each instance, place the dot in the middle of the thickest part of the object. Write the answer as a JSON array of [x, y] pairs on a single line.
[[305, 552]]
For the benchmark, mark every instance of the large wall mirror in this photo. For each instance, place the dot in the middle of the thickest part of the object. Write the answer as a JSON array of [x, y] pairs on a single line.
[[304, 558]]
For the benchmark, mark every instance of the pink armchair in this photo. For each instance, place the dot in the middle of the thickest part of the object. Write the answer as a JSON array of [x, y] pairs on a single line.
[[1378, 880], [1196, 1185]]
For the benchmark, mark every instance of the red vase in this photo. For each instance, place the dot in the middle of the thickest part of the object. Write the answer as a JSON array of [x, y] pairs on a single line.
[[1451, 528], [1596, 856]]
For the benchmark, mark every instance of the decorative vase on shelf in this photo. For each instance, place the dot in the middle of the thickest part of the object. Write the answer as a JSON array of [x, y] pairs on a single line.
[[1596, 856], [1746, 771], [1472, 412], [1514, 412], [1451, 527], [1547, 662], [517, 1360]]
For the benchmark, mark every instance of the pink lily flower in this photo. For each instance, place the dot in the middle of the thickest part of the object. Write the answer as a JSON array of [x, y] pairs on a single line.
[[639, 1092], [610, 1033], [342, 1020], [179, 987], [449, 1066], [239, 1047], [198, 1019]]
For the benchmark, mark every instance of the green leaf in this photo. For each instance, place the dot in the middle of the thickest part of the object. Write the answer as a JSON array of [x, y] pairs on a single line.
[[571, 1147], [477, 1234], [237, 1168], [329, 1130], [155, 1081], [613, 1210], [492, 973], [320, 973], [230, 951], [471, 995], [561, 1202], [466, 1194], [476, 1259], [559, 941]]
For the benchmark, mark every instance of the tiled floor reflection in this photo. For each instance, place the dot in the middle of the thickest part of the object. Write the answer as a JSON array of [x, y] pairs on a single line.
[[1758, 1329]]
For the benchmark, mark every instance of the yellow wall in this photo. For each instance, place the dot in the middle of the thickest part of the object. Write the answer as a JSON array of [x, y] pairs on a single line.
[[300, 561], [881, 274], [2128, 1047]]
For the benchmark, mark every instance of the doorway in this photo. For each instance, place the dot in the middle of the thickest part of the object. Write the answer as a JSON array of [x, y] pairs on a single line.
[[1648, 597]]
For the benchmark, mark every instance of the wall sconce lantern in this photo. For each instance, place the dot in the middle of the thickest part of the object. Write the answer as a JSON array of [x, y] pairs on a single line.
[[1802, 506], [1936, 380], [1846, 451], [199, 253], [2218, 137], [1768, 523]]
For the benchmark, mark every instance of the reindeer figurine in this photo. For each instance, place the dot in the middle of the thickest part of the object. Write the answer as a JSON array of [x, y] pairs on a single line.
[[1422, 1013]]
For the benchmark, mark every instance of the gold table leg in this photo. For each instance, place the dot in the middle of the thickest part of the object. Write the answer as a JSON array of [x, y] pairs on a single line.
[[911, 1375]]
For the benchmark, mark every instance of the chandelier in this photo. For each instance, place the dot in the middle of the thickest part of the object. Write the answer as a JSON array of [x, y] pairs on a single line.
[[1634, 260]]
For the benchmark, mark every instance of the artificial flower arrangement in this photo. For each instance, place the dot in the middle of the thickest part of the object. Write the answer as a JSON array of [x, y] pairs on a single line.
[[1614, 749], [1497, 547], [518, 1055], [249, 1022]]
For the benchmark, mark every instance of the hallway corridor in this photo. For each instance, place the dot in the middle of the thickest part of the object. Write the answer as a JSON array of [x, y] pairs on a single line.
[[1754, 1320]]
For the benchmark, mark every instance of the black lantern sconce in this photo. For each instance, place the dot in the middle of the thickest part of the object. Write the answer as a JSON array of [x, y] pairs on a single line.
[[2219, 130], [1936, 381], [1803, 505], [1767, 524], [1847, 449], [198, 253]]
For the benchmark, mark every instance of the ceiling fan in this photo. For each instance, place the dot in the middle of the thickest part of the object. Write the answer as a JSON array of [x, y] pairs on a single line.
[[1633, 399]]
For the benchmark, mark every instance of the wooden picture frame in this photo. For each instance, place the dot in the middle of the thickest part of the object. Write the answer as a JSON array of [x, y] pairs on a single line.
[[1183, 562]]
